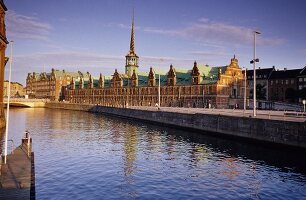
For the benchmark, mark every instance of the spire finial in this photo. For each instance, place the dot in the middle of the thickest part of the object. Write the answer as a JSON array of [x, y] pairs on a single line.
[[132, 44]]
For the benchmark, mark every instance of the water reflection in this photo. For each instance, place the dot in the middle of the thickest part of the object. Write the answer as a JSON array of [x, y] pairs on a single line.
[[90, 156], [285, 159], [130, 149]]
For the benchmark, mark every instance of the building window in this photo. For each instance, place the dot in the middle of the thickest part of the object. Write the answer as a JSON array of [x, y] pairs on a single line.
[[300, 79], [305, 79], [300, 87], [292, 81], [287, 82], [272, 82], [276, 81]]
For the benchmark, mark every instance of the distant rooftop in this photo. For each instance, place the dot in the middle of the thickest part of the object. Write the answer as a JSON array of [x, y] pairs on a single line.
[[281, 74]]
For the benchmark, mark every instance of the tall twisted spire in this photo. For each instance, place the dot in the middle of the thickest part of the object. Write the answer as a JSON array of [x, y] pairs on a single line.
[[132, 44]]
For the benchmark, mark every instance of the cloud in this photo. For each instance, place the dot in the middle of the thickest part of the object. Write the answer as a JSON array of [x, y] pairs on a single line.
[[157, 59], [72, 59], [84, 61], [25, 27], [165, 32], [209, 54], [204, 30], [163, 63], [122, 26], [69, 61]]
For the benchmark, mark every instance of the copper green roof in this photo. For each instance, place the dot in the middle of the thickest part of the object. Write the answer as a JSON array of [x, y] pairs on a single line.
[[143, 80], [208, 75]]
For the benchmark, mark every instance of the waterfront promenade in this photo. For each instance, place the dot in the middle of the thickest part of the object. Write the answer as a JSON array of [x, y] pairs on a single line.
[[261, 114]]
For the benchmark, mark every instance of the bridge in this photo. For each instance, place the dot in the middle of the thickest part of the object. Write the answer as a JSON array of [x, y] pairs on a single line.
[[29, 103]]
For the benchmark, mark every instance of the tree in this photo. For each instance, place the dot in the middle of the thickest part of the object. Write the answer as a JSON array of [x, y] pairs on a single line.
[[302, 93], [261, 92], [290, 95]]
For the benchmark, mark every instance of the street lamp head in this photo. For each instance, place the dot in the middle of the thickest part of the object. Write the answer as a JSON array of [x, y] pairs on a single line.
[[257, 32], [254, 60]]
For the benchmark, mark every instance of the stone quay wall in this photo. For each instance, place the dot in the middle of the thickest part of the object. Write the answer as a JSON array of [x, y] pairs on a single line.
[[69, 106], [271, 131]]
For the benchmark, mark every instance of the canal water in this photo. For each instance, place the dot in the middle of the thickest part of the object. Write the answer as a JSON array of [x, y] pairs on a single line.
[[80, 155]]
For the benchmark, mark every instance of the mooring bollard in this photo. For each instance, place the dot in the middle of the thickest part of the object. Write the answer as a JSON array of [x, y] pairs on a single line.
[[27, 142]]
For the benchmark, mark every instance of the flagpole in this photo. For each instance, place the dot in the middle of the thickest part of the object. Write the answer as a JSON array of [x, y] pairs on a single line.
[[8, 102]]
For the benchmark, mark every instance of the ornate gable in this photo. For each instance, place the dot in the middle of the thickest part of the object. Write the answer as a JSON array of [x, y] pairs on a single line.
[[72, 84], [116, 80], [171, 76], [81, 84], [134, 79], [195, 74], [90, 82], [101, 81], [151, 77]]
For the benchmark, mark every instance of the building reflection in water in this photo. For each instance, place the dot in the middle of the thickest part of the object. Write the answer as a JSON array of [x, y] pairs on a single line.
[[117, 134], [130, 149], [229, 168], [153, 146], [130, 142], [170, 146], [199, 154]]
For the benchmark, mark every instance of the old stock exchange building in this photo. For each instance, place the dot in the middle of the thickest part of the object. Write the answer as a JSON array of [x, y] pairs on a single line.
[[199, 86]]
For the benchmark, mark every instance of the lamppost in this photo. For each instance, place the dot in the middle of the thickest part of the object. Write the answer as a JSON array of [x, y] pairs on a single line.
[[8, 103], [244, 99], [254, 69], [127, 92], [159, 91]]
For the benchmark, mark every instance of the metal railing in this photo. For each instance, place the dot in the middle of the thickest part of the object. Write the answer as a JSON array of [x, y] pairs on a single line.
[[12, 147]]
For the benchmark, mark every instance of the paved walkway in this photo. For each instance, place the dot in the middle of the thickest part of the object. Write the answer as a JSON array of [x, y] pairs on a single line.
[[16, 175], [261, 114]]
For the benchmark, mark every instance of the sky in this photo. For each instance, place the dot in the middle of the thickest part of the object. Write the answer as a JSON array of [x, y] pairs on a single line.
[[94, 35]]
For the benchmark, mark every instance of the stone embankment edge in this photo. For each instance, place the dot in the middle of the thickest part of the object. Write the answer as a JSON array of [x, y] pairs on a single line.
[[271, 131]]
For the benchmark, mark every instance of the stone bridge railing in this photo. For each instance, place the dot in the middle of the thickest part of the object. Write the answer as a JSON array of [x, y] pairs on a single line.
[[21, 102]]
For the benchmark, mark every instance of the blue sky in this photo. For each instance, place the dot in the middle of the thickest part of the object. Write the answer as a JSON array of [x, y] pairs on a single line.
[[94, 35]]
